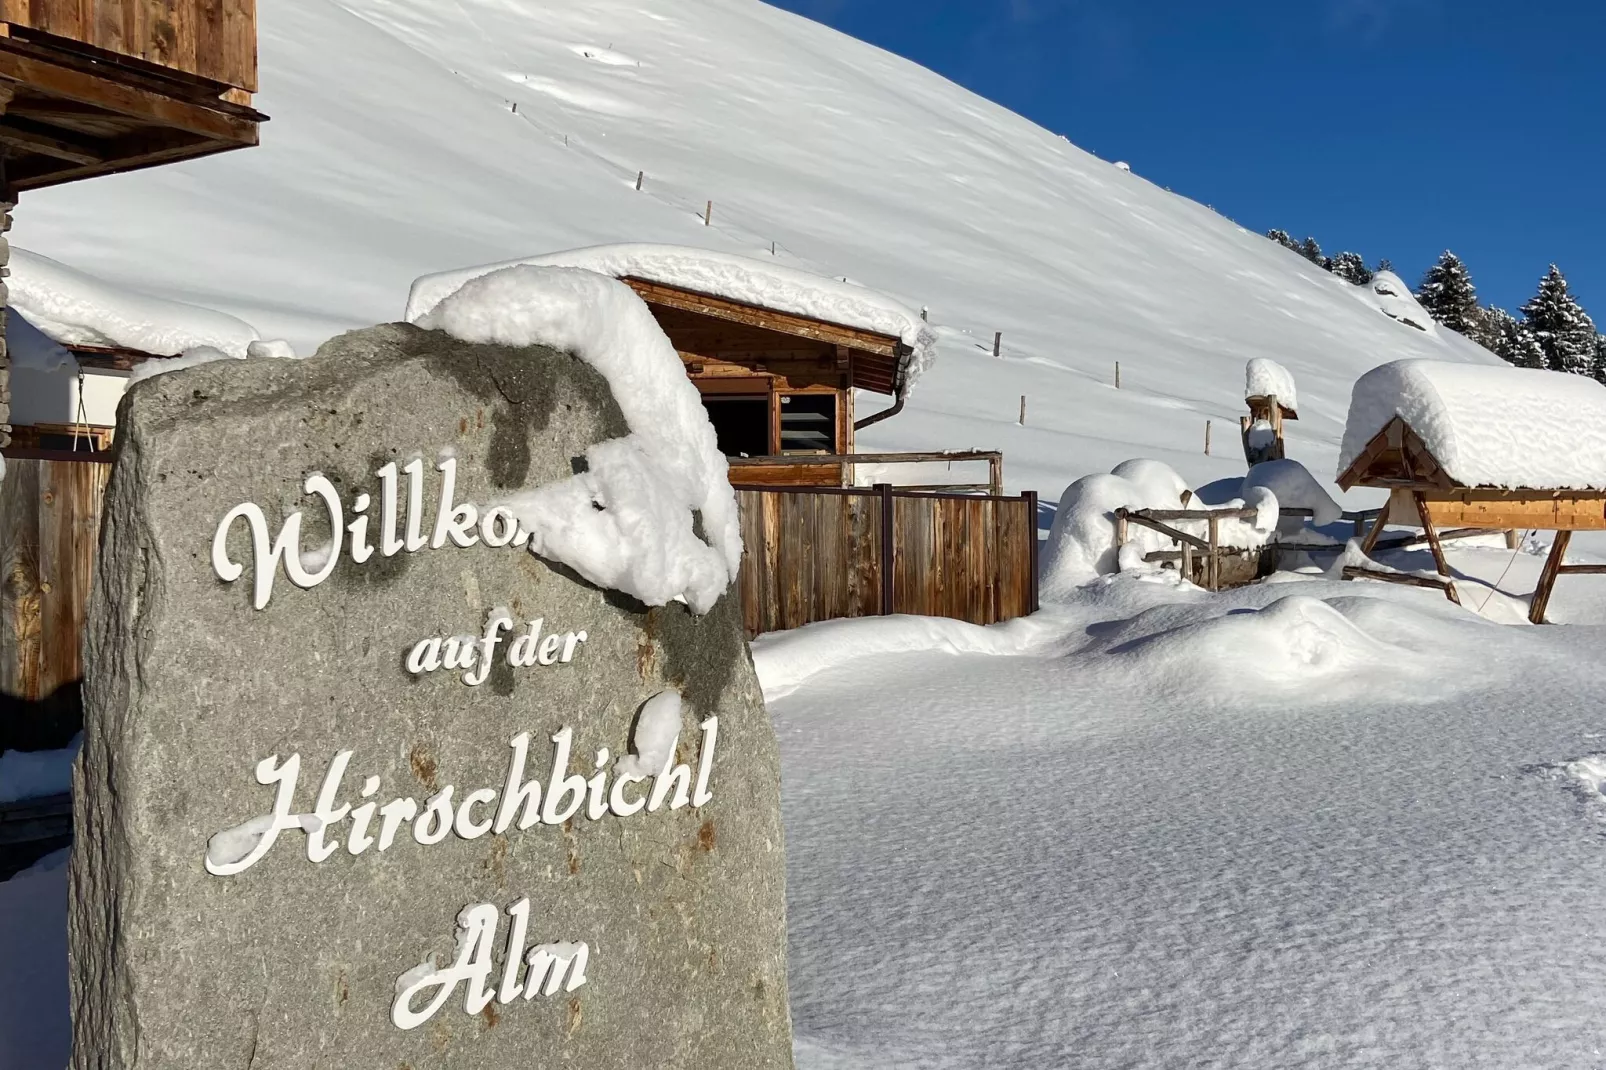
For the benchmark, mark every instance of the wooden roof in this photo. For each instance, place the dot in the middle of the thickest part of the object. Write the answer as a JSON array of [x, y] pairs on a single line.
[[731, 330], [93, 87], [1397, 458]]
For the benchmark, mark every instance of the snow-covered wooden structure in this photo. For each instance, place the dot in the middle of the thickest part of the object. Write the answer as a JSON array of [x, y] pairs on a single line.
[[1486, 448], [775, 352], [1269, 393]]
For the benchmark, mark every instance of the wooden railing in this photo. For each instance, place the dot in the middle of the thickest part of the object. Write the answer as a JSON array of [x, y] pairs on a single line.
[[823, 553], [845, 462]]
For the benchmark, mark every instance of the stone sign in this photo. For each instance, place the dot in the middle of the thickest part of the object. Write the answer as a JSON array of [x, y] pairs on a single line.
[[366, 783]]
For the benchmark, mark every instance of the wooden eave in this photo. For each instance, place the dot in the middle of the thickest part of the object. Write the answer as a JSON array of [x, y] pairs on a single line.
[[872, 361], [77, 112]]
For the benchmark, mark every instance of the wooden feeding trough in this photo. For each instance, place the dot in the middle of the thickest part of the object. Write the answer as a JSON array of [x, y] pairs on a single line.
[[1468, 449]]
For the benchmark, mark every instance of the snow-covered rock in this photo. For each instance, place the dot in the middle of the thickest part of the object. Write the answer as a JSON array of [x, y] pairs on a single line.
[[74, 308], [735, 278], [626, 522], [1388, 293], [1494, 426]]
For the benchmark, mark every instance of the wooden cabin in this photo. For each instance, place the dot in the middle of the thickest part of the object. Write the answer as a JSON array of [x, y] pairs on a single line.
[[93, 87], [778, 387], [1463, 448]]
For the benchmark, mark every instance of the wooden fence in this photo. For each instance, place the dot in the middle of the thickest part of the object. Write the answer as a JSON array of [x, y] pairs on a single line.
[[821, 553], [49, 530]]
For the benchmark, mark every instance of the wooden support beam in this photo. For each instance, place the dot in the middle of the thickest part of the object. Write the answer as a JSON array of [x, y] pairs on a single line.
[[1547, 577], [1357, 572], [72, 150], [1370, 542], [1432, 535]]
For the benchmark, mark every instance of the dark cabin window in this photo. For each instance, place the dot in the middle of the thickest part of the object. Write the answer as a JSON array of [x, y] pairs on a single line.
[[808, 423], [742, 424]]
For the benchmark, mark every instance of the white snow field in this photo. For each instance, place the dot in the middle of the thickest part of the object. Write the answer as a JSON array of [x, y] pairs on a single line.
[[1300, 824]]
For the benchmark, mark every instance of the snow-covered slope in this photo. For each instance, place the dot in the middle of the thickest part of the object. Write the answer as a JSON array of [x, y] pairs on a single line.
[[395, 150]]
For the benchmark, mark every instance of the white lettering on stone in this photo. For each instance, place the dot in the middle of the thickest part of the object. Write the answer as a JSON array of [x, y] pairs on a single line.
[[550, 967], [473, 657], [519, 803], [457, 523]]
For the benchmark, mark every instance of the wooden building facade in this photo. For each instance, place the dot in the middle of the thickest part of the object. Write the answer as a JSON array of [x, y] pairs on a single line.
[[778, 387]]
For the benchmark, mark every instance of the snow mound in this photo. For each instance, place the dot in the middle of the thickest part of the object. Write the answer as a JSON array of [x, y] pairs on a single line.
[[1295, 488], [1081, 544], [1388, 293], [625, 523], [1293, 643], [735, 278], [1489, 426], [784, 660], [1265, 378], [73, 308]]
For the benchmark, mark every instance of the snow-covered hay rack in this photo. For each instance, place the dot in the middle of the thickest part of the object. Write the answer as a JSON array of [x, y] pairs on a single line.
[[1472, 447], [1205, 560]]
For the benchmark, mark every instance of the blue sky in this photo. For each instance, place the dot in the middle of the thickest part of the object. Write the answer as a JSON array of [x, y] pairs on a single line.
[[1394, 128]]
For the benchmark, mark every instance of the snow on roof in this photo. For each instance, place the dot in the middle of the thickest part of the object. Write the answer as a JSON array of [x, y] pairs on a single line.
[[1488, 426], [627, 522], [735, 278], [1264, 378], [73, 308]]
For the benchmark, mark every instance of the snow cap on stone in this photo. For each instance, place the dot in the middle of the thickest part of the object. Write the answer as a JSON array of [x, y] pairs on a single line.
[[627, 522], [1488, 426], [727, 275], [74, 308]]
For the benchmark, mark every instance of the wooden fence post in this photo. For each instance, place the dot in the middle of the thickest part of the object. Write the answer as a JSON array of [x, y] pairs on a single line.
[[1031, 535], [884, 495], [1213, 562], [995, 475], [1023, 413], [998, 343], [639, 176], [708, 214], [1207, 438], [1117, 375]]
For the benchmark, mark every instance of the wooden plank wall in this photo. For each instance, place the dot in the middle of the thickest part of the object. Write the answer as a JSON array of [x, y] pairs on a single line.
[[49, 530], [213, 39], [818, 554]]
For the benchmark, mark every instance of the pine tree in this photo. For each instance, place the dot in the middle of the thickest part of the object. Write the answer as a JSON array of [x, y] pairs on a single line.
[[1446, 291], [1511, 339], [1563, 329], [1383, 265], [1351, 268], [1283, 238], [1600, 357], [1312, 252]]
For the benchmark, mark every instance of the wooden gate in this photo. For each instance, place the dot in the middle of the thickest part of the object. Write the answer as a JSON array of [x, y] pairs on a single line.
[[49, 529], [822, 553]]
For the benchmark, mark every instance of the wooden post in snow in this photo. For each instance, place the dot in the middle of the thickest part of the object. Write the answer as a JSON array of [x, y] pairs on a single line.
[[998, 343], [1207, 438], [1117, 375], [708, 214], [639, 176], [1023, 410]]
